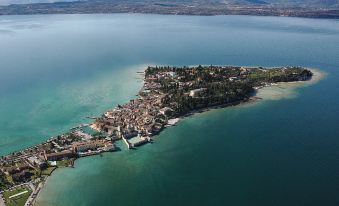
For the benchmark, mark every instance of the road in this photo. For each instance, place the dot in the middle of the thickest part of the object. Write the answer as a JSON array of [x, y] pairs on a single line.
[[2, 203]]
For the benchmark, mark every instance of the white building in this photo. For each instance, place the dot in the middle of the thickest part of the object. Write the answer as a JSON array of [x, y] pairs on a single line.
[[197, 92]]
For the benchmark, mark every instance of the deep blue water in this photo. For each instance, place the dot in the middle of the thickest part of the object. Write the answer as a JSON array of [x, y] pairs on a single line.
[[57, 69]]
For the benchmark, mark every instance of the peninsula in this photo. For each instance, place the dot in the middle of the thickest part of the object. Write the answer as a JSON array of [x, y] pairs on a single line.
[[168, 93]]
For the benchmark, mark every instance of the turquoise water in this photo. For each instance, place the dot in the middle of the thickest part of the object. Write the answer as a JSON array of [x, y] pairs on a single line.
[[57, 69]]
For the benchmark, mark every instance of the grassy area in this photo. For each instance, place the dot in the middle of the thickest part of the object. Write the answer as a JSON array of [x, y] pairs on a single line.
[[19, 200], [48, 171], [64, 163], [268, 74]]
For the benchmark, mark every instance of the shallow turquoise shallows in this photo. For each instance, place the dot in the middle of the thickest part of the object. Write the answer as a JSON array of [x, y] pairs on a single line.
[[57, 69]]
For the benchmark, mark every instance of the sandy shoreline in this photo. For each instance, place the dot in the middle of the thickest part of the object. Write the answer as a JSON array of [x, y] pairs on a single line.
[[287, 90]]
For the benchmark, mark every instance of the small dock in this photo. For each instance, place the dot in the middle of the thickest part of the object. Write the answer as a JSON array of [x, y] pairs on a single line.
[[127, 143]]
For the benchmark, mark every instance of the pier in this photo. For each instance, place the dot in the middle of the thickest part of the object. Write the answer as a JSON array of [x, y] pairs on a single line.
[[127, 143]]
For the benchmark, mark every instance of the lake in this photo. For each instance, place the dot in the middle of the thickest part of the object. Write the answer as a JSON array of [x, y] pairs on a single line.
[[57, 69]]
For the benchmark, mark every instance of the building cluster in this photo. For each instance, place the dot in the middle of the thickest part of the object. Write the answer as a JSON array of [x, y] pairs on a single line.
[[141, 117], [25, 165], [76, 144]]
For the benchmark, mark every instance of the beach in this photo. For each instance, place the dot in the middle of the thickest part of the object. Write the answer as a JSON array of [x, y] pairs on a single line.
[[287, 90]]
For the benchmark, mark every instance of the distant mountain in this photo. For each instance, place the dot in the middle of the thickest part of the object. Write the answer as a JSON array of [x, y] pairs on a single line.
[[279, 3], [305, 3], [296, 8], [8, 2]]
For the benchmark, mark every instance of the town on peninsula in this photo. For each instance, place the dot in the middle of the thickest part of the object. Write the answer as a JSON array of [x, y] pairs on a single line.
[[168, 93]]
